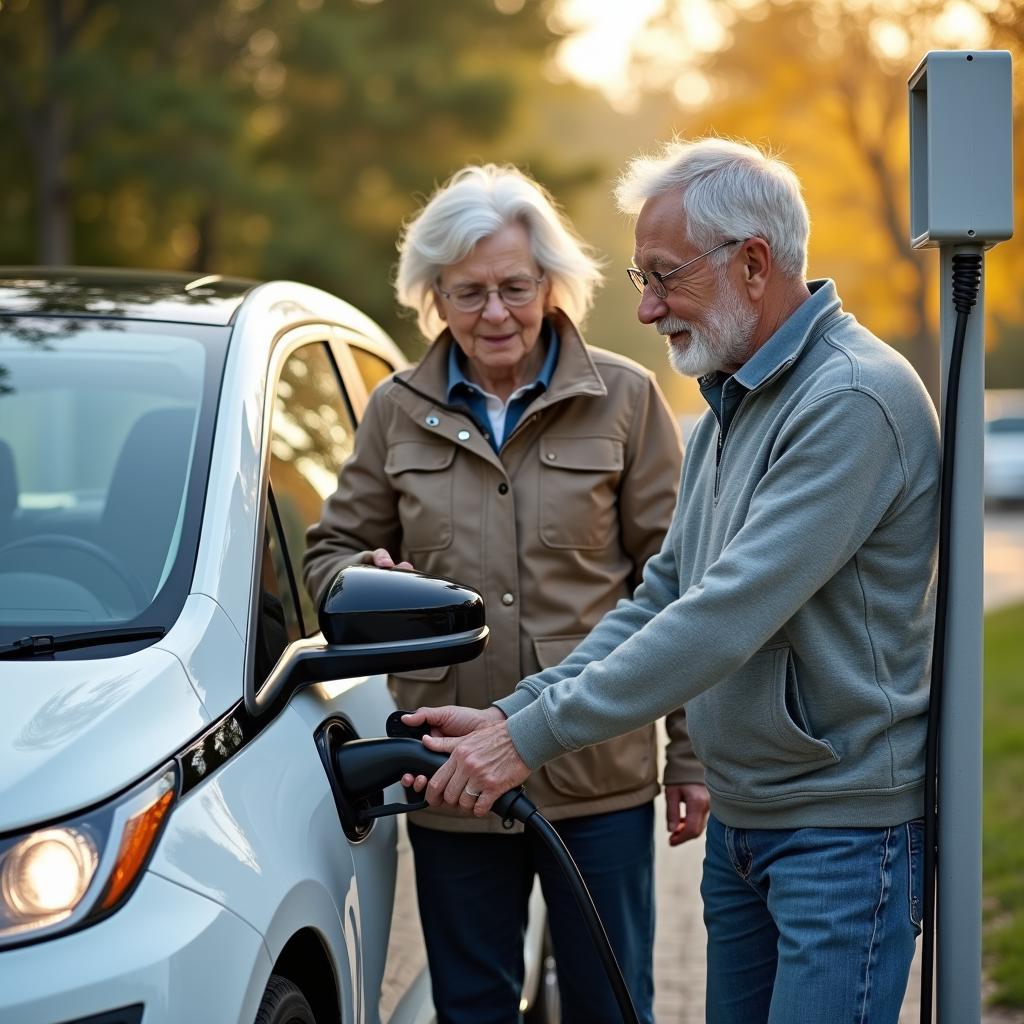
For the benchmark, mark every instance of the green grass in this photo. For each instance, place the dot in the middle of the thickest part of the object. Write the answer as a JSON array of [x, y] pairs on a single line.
[[1003, 806]]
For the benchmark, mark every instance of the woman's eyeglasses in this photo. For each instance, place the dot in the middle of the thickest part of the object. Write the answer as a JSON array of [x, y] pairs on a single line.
[[656, 281], [516, 291]]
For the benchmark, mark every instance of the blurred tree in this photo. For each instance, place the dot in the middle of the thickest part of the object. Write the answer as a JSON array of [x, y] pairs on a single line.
[[823, 84], [257, 137]]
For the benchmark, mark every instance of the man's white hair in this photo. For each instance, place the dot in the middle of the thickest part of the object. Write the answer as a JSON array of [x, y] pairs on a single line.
[[729, 190], [472, 205]]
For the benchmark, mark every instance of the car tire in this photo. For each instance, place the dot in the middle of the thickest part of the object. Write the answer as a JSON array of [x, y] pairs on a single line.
[[547, 1006], [284, 1003]]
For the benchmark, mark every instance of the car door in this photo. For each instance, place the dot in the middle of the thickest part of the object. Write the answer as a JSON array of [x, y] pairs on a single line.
[[312, 433], [364, 366]]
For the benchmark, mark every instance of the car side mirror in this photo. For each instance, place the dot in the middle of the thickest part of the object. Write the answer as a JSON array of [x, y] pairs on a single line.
[[381, 620]]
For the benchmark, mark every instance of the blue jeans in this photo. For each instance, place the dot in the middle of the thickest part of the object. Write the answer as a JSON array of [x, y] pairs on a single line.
[[473, 893], [810, 925]]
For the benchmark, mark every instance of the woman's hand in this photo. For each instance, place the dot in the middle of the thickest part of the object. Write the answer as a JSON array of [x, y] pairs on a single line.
[[686, 811], [383, 560]]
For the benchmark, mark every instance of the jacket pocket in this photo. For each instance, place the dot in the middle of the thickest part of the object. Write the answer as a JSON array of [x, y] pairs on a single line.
[[424, 687], [420, 475], [751, 731], [618, 765], [579, 484]]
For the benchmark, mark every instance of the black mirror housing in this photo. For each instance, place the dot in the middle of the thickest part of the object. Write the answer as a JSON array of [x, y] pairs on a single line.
[[367, 605], [381, 620]]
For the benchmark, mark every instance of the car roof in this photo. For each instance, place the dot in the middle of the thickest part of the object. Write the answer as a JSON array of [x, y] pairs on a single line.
[[129, 294]]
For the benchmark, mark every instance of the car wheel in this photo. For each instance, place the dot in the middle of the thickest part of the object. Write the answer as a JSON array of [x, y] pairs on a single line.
[[547, 1007], [284, 1003]]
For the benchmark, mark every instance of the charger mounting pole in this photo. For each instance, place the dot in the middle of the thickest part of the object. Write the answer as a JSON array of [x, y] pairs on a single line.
[[961, 202]]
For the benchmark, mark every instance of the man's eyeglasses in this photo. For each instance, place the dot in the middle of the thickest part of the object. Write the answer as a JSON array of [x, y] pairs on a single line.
[[516, 291], [656, 281]]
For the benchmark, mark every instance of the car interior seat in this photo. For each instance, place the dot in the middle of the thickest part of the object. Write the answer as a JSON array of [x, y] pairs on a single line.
[[145, 492]]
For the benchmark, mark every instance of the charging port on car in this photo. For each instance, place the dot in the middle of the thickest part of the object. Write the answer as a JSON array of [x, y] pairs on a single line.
[[329, 737]]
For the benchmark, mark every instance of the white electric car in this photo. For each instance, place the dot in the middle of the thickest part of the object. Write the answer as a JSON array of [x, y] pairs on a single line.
[[172, 845]]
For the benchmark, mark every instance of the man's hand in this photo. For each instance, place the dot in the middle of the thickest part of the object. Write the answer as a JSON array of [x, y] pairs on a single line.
[[686, 811], [452, 720], [481, 766], [449, 720]]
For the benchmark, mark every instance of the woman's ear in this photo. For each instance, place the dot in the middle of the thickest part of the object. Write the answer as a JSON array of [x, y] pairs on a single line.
[[438, 304], [547, 305]]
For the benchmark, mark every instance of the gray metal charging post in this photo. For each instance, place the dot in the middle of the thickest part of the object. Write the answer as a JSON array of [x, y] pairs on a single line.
[[961, 201]]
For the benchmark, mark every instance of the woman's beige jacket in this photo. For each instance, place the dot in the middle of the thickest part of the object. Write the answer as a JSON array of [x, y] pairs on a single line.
[[552, 531]]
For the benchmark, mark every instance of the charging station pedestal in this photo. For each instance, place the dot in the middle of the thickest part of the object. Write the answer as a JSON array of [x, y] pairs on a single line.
[[961, 201]]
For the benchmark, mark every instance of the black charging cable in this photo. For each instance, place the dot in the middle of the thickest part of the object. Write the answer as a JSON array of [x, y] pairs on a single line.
[[966, 282], [367, 766]]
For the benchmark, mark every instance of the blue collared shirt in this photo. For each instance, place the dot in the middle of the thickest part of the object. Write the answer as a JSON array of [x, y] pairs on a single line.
[[724, 393], [463, 392]]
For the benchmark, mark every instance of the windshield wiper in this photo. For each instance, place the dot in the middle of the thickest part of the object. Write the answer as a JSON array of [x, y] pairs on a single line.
[[42, 644]]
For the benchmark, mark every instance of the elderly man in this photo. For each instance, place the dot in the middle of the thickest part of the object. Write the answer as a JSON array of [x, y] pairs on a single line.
[[789, 611]]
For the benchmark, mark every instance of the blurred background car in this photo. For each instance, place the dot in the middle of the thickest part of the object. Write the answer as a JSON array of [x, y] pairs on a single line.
[[1004, 447]]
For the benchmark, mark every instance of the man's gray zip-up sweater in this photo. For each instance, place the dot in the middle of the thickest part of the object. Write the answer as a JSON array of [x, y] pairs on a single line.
[[790, 609]]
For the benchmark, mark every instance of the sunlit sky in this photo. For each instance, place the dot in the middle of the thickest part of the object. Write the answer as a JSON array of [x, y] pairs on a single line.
[[602, 35]]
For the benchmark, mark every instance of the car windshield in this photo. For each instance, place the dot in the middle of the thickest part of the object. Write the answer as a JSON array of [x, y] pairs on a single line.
[[105, 430]]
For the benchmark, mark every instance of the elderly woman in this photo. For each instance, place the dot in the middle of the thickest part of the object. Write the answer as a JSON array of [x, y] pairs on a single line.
[[541, 471]]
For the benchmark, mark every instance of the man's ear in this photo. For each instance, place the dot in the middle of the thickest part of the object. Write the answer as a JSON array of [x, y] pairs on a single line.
[[757, 264]]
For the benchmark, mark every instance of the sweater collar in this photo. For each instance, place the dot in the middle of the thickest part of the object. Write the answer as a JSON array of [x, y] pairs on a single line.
[[784, 347]]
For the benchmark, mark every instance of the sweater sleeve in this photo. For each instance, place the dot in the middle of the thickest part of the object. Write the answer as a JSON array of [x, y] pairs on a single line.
[[658, 587], [835, 472]]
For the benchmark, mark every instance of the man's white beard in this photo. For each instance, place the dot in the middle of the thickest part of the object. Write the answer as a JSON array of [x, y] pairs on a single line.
[[723, 339]]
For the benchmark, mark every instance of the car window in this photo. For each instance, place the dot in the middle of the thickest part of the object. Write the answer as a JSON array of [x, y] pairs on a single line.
[[105, 431], [278, 619], [372, 367], [312, 434]]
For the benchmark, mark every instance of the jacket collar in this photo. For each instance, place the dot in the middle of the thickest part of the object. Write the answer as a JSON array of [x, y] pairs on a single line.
[[458, 381], [574, 373]]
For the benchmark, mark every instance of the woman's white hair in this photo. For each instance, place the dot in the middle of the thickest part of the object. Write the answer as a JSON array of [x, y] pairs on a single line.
[[729, 190], [472, 205]]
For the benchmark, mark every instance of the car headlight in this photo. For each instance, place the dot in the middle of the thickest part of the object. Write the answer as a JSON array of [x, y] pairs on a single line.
[[71, 873]]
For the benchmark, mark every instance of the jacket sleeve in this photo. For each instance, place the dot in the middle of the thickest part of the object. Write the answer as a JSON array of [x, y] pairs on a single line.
[[647, 500], [681, 764], [818, 502], [362, 514]]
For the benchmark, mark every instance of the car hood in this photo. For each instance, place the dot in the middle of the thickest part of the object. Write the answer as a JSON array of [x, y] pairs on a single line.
[[73, 733]]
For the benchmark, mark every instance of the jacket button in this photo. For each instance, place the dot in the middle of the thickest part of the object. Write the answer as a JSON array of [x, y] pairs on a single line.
[[503, 488], [508, 599], [552, 456], [432, 421], [463, 435]]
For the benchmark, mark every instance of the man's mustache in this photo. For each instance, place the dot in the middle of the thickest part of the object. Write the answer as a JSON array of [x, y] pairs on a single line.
[[668, 325]]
